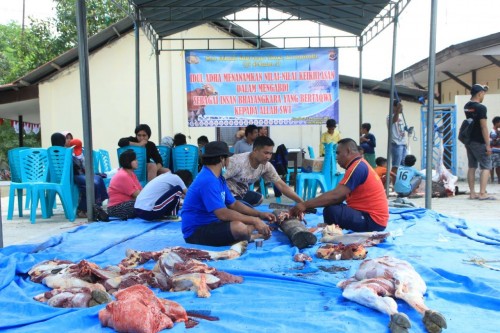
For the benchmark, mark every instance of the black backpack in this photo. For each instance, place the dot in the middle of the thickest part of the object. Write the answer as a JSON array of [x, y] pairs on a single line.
[[465, 131], [280, 160]]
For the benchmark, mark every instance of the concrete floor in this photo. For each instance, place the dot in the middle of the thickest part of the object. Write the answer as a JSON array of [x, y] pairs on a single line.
[[21, 231]]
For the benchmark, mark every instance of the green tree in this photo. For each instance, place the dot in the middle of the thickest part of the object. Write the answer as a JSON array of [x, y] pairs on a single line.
[[100, 14], [44, 40]]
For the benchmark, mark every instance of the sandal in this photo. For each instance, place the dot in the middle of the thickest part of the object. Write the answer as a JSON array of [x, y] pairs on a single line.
[[81, 214]]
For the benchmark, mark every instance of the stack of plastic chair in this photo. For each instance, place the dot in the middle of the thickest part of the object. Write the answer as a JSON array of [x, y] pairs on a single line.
[[307, 182], [165, 153], [141, 171], [185, 157], [96, 156], [61, 182], [105, 165], [34, 172], [16, 187]]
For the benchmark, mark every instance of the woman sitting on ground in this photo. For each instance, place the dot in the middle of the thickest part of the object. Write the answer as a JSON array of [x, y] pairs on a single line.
[[124, 188]]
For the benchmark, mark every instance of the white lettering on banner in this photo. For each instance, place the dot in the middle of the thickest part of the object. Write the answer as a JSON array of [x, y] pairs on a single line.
[[245, 110], [275, 87], [259, 99], [205, 100], [242, 77], [276, 109]]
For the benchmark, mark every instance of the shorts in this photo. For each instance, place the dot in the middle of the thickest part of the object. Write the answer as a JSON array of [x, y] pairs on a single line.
[[251, 198], [495, 160], [398, 154], [476, 154], [217, 233], [349, 218]]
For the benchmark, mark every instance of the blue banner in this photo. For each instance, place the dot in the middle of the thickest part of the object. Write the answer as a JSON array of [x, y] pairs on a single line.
[[262, 87]]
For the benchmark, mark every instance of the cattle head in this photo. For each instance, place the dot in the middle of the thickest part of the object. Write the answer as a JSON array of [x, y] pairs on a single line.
[[209, 89]]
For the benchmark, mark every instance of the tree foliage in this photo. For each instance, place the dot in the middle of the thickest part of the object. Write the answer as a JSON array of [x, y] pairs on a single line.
[[44, 40]]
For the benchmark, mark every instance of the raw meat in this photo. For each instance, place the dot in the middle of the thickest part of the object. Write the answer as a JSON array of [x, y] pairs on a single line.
[[138, 310], [378, 280]]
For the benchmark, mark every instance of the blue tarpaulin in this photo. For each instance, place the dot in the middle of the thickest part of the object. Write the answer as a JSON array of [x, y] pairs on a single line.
[[277, 294]]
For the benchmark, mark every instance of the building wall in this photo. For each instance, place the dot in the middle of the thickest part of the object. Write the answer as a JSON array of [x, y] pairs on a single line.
[[112, 82]]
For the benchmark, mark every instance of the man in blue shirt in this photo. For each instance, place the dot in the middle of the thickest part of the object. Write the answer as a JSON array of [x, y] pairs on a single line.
[[407, 178], [211, 215]]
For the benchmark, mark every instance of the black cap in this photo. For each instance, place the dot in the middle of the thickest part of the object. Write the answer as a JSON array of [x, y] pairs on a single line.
[[478, 88], [216, 148]]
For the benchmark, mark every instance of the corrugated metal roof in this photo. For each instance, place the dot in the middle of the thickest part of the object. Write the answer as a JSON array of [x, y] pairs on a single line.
[[167, 17]]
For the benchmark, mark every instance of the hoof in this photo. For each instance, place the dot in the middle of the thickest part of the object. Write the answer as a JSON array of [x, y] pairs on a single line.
[[400, 323], [434, 321], [100, 297], [303, 239]]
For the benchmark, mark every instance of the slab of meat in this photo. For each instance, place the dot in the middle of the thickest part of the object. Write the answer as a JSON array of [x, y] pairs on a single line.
[[378, 280], [341, 252], [138, 310], [73, 297]]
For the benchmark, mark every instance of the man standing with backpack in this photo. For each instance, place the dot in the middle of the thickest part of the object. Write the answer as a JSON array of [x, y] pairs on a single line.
[[478, 149]]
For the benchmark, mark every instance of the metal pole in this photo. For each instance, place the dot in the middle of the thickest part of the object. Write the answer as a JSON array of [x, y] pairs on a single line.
[[391, 99], [137, 72], [158, 90], [20, 122], [83, 57], [430, 108], [1, 222], [360, 49]]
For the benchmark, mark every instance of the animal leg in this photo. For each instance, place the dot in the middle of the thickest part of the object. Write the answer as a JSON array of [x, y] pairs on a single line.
[[434, 321], [234, 252]]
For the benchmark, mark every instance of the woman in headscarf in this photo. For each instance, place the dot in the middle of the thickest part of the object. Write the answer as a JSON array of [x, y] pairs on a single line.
[[68, 137], [100, 192], [124, 187]]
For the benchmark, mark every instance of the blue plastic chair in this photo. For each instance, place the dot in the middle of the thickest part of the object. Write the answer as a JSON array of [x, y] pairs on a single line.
[[185, 157], [105, 165], [310, 149], [34, 171], [61, 182], [165, 153], [141, 171], [15, 175], [307, 182]]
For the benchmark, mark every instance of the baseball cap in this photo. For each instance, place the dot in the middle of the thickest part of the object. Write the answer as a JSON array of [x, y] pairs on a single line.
[[216, 148], [477, 88]]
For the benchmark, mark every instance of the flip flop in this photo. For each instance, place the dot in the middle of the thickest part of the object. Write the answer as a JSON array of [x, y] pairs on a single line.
[[487, 198]]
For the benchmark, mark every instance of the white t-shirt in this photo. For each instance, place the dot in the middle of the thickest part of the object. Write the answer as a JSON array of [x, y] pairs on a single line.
[[398, 131], [240, 173], [155, 189]]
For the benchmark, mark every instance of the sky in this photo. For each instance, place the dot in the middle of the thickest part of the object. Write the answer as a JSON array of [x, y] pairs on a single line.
[[457, 21]]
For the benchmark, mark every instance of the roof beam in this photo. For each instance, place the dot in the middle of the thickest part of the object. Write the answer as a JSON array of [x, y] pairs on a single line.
[[493, 60], [457, 80]]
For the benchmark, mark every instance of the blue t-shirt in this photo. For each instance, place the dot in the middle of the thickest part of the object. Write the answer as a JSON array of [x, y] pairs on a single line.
[[404, 177], [205, 195], [369, 147]]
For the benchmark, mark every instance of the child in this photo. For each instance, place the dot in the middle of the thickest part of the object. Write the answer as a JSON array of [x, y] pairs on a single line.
[[381, 169], [331, 135], [408, 178], [368, 143]]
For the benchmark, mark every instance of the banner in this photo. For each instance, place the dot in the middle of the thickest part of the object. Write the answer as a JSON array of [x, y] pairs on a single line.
[[262, 87]]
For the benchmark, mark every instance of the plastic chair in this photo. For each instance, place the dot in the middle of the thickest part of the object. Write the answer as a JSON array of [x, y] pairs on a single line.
[[310, 149], [96, 156], [185, 157], [34, 171], [15, 174], [105, 165], [165, 153], [307, 182], [61, 182], [141, 171]]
